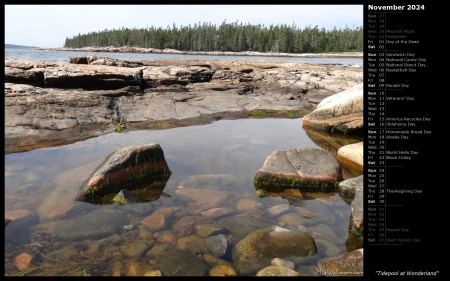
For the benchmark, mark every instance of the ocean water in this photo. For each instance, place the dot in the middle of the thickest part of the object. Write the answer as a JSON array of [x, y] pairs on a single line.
[[61, 56]]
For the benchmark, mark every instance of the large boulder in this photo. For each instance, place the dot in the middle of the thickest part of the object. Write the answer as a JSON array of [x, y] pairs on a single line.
[[341, 112], [126, 167], [351, 158], [306, 168]]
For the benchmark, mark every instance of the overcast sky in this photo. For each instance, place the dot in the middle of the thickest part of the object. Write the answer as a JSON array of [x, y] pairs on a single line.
[[48, 26]]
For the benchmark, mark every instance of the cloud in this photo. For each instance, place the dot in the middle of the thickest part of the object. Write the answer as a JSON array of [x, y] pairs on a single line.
[[50, 25]]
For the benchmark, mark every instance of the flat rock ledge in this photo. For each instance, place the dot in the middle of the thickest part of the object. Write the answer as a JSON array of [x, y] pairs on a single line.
[[124, 168], [55, 103], [305, 168]]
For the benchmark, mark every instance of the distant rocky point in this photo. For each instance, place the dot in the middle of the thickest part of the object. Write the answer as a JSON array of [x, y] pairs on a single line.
[[12, 46]]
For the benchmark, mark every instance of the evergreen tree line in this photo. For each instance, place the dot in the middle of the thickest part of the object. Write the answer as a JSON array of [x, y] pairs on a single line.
[[228, 37]]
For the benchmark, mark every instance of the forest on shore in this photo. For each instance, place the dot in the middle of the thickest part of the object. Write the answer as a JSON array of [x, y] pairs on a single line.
[[228, 37]]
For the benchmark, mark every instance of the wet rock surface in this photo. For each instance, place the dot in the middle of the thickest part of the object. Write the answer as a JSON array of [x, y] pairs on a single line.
[[305, 168], [126, 167]]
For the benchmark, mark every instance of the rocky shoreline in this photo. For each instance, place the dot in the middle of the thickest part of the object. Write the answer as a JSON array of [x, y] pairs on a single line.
[[53, 103], [127, 49]]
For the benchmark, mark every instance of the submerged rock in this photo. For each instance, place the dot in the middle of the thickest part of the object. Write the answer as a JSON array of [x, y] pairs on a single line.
[[259, 248], [217, 245], [274, 270], [182, 263], [93, 225], [222, 270], [23, 261], [124, 196], [18, 224], [348, 264]]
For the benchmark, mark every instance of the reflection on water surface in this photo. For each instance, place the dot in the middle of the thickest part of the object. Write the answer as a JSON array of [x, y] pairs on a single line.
[[209, 193]]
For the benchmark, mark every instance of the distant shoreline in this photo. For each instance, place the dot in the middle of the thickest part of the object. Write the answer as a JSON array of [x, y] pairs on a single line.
[[127, 49], [14, 46]]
